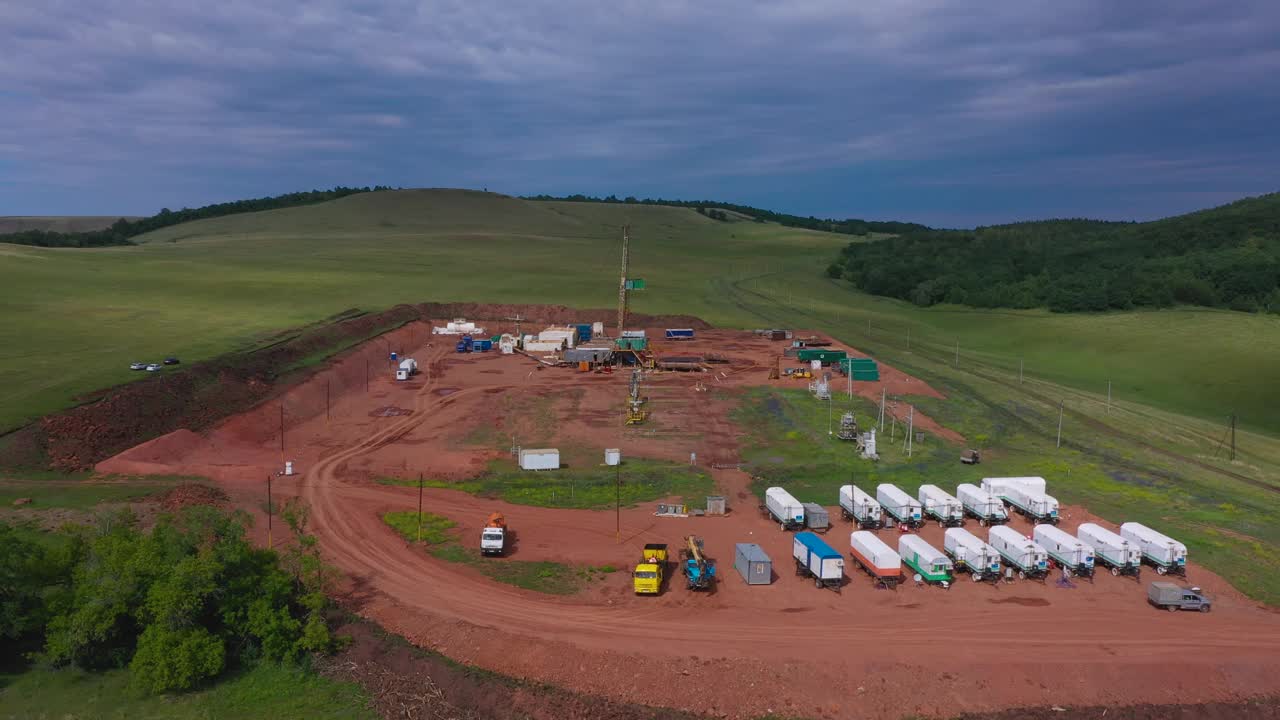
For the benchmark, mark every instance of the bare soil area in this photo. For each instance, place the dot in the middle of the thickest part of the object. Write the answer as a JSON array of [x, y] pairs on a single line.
[[786, 648]]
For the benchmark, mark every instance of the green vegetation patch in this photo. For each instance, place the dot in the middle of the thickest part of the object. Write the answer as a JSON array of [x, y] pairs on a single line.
[[84, 494], [267, 691], [542, 576], [585, 488]]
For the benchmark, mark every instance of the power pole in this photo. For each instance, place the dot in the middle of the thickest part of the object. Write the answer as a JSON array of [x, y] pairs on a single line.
[[419, 507], [829, 402], [908, 339], [1060, 404], [517, 320], [281, 434], [268, 512], [617, 504], [1108, 397], [882, 390], [911, 430], [1233, 437], [957, 353], [1019, 371]]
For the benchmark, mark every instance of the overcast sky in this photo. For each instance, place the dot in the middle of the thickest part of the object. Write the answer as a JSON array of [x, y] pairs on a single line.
[[947, 112]]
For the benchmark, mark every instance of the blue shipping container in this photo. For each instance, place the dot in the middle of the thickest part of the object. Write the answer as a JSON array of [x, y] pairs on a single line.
[[482, 345], [584, 332], [679, 333]]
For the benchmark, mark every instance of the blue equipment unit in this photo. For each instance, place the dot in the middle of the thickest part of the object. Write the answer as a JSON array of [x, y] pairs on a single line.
[[679, 333], [584, 332]]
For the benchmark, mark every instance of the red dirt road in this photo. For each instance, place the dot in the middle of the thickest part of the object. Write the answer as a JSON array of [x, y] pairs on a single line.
[[742, 651]]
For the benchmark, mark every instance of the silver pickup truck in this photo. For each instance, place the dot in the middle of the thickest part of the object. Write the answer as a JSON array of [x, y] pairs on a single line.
[[1168, 596]]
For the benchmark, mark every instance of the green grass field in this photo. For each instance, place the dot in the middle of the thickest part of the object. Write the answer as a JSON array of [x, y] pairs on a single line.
[[83, 491], [541, 576], [269, 692], [1158, 452]]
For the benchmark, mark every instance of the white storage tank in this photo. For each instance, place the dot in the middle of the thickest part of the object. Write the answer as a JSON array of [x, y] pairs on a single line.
[[612, 456], [1110, 549], [1069, 551], [783, 508], [981, 504], [859, 507], [877, 558], [932, 564], [539, 459], [899, 505], [1021, 552], [1167, 554], [941, 505], [1035, 505], [972, 553], [999, 486]]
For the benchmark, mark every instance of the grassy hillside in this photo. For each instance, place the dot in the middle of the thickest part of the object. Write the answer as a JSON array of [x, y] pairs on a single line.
[[76, 318]]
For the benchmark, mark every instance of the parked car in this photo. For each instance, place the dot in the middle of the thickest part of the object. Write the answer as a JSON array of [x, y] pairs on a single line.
[[171, 361], [137, 366], [153, 367]]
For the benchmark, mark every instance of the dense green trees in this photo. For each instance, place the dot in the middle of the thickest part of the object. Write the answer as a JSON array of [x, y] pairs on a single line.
[[850, 226], [178, 604], [122, 230], [1225, 257]]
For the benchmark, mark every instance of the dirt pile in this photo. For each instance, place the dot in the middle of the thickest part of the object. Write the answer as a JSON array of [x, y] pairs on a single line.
[[194, 398], [189, 494], [554, 314]]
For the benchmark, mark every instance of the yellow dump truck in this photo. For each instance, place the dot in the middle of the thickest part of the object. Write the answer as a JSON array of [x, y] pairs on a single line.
[[651, 569]]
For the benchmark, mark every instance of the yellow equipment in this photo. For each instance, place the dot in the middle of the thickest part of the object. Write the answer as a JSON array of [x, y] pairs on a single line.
[[649, 572]]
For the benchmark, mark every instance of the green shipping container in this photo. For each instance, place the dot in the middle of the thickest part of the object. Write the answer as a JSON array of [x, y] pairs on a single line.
[[821, 354], [632, 343]]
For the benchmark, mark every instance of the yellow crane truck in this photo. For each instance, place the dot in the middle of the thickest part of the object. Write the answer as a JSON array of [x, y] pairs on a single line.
[[650, 571]]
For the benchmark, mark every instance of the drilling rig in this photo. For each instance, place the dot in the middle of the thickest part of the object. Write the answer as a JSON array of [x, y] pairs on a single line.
[[636, 413], [699, 572], [623, 283]]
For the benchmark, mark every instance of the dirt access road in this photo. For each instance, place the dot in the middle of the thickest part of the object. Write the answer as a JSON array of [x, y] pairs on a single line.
[[785, 648]]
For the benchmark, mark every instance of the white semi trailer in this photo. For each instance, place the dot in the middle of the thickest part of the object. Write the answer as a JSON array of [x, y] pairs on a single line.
[[1165, 553], [783, 508], [898, 505], [1034, 505], [972, 554], [1022, 553], [941, 506], [1113, 551], [1073, 554], [860, 508], [980, 504]]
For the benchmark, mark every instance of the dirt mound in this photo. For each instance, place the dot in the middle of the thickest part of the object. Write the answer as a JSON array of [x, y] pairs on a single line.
[[194, 398], [554, 314], [189, 494]]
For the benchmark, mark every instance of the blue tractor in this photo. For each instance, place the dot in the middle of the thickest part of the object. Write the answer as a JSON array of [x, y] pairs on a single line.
[[699, 572]]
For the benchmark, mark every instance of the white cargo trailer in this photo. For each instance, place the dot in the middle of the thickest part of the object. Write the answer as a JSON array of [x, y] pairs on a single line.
[[1116, 553], [408, 368], [878, 559], [929, 562], [539, 459], [987, 508], [999, 486], [941, 506], [1034, 505], [1073, 554], [1021, 552], [899, 505], [1165, 553], [819, 560], [972, 554], [783, 508], [860, 508]]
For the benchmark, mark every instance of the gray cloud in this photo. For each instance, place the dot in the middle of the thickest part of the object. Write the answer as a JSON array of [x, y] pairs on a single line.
[[185, 103]]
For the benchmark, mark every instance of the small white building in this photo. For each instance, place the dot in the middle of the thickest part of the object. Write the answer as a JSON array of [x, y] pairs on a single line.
[[539, 459]]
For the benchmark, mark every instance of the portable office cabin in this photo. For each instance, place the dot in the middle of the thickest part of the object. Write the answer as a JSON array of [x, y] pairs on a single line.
[[941, 505], [1165, 553], [877, 558], [539, 459], [899, 505], [752, 564], [972, 553], [1112, 550], [860, 507], [1025, 554], [932, 564], [1076, 556], [999, 486], [818, 559], [783, 508], [1033, 504], [987, 508]]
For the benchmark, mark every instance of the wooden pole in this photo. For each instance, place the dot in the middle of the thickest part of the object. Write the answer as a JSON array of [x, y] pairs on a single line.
[[282, 434], [1108, 396], [419, 507], [1060, 404], [268, 512], [617, 507], [1233, 437], [957, 353], [1019, 371]]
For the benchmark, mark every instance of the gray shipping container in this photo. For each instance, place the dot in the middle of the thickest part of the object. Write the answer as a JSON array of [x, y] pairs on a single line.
[[815, 517], [751, 562]]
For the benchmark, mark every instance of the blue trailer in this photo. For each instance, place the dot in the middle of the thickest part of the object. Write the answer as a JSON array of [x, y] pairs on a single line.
[[679, 333], [818, 560]]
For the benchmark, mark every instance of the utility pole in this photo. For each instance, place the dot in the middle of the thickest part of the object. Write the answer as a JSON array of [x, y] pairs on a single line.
[[908, 339], [911, 430], [1108, 397], [517, 320], [882, 391], [957, 353], [419, 507], [829, 402], [268, 512], [1019, 371], [849, 377], [617, 504], [1233, 437], [282, 434], [1060, 404]]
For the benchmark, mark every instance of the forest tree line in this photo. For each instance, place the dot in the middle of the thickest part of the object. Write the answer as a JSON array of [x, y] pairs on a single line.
[[1226, 257], [122, 231], [851, 226]]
